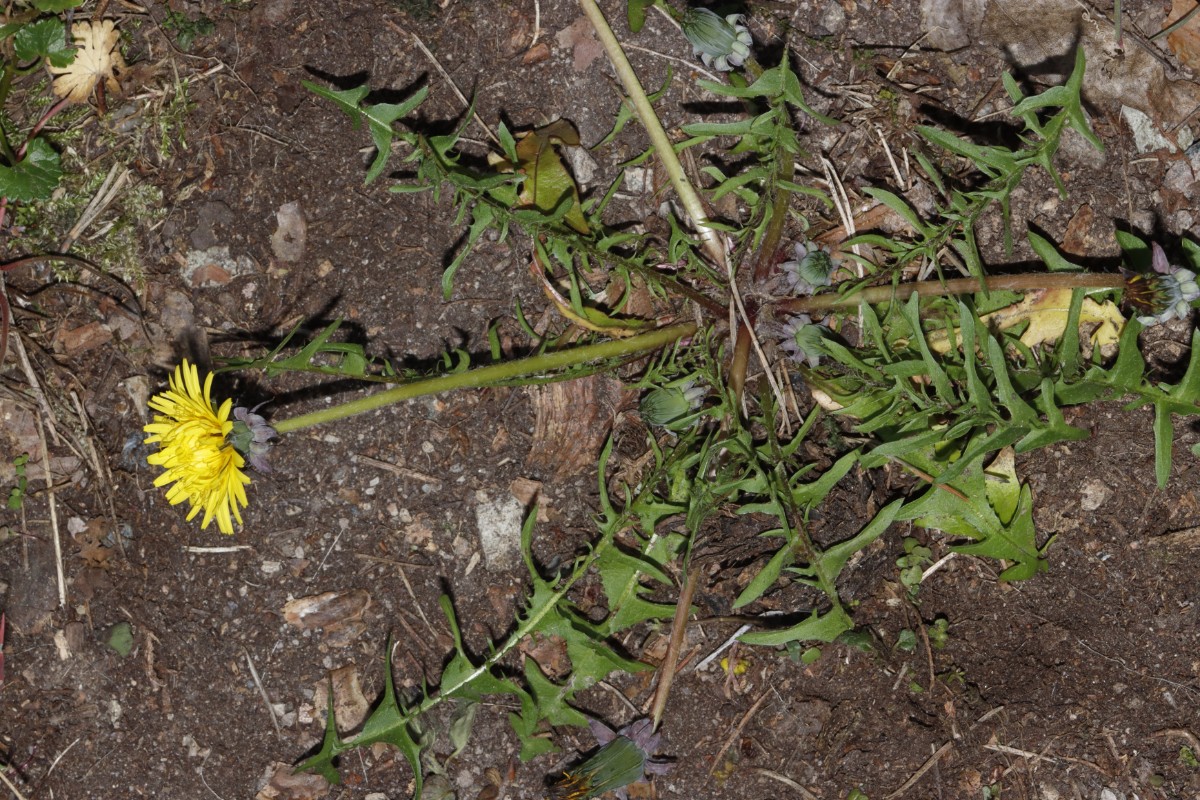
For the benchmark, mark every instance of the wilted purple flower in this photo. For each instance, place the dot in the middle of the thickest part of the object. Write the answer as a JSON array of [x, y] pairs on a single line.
[[624, 757]]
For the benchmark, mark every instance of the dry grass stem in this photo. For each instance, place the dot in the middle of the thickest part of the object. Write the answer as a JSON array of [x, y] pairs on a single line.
[[935, 566], [730, 642], [114, 182], [666, 670], [887, 150], [233, 548], [60, 756], [446, 77], [786, 781], [686, 62], [403, 472], [53, 503], [262, 692], [738, 729], [920, 773], [1026, 754], [16, 792], [35, 387]]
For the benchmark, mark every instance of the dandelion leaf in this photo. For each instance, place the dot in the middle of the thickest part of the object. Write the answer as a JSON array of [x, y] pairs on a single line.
[[552, 698], [389, 723], [621, 573], [378, 117], [815, 628], [990, 508]]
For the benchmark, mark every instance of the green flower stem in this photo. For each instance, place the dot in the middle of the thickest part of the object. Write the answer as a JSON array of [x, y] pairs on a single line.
[[494, 374], [713, 245], [993, 283]]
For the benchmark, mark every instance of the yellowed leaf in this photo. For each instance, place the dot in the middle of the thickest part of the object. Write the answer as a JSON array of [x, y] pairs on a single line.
[[547, 179], [592, 319], [1046, 311], [97, 59]]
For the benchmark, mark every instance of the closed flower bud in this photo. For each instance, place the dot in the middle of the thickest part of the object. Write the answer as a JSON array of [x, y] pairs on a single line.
[[671, 407], [721, 43]]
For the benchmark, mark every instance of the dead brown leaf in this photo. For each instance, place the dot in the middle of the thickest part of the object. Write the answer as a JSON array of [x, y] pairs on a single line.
[[350, 707], [286, 784], [92, 549], [97, 62], [580, 38], [338, 614], [1185, 42], [550, 653]]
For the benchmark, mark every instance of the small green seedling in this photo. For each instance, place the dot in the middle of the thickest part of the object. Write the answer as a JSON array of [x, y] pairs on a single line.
[[912, 565], [939, 633], [187, 30], [16, 495], [120, 638]]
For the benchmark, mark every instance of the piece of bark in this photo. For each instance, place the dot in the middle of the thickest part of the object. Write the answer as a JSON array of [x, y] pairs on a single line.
[[573, 421]]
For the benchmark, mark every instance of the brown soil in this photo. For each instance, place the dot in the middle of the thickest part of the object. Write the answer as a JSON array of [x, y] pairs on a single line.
[[1081, 683]]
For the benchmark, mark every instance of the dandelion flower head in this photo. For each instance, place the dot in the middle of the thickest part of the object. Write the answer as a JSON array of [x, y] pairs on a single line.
[[200, 463]]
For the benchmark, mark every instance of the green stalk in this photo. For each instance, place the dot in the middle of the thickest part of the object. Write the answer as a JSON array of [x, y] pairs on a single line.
[[993, 283], [494, 374], [711, 238]]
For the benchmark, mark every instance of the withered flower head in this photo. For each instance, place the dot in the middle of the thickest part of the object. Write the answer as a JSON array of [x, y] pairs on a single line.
[[1165, 294], [625, 757]]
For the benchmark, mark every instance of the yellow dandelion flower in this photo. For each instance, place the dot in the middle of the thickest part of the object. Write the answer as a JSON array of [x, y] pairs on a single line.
[[195, 451]]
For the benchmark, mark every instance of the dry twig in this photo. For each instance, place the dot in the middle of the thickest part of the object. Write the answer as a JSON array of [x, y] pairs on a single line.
[[262, 692], [920, 773], [738, 730]]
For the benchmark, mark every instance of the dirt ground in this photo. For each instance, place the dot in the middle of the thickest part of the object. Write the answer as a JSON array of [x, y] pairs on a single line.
[[1081, 683]]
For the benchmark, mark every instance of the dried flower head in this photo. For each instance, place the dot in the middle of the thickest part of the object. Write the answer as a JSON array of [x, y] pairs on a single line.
[[1165, 294], [624, 758], [97, 62], [200, 462], [721, 43]]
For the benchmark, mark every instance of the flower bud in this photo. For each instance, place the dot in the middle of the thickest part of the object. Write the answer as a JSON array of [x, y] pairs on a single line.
[[671, 407], [721, 43]]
